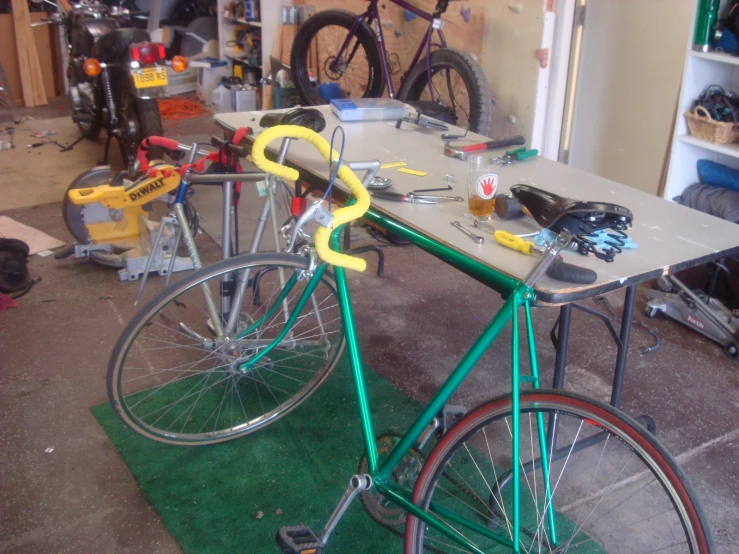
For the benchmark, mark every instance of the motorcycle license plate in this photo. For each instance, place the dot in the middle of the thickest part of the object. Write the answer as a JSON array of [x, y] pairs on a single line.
[[150, 77]]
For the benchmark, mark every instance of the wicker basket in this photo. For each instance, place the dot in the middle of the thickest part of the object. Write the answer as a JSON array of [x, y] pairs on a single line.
[[702, 125]]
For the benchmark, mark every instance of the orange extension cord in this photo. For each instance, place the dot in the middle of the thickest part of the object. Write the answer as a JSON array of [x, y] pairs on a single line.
[[173, 110]]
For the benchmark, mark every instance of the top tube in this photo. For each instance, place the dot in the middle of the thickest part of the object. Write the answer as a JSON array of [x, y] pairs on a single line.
[[486, 275]]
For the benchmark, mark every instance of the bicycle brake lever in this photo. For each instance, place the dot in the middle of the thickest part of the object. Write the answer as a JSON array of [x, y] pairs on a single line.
[[307, 215], [317, 212]]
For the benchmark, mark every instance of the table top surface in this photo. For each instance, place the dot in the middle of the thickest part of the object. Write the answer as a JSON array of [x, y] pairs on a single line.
[[669, 236]]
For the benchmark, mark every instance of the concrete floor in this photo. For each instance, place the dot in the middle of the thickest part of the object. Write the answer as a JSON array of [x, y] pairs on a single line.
[[414, 326]]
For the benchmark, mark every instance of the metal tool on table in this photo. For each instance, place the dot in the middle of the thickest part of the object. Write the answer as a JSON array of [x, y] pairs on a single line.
[[559, 270], [380, 183], [414, 198], [449, 178], [485, 226], [516, 155], [448, 187], [507, 207], [449, 136], [461, 152], [477, 238], [422, 121]]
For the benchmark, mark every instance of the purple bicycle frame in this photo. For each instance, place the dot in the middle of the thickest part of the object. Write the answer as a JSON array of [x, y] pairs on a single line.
[[373, 14]]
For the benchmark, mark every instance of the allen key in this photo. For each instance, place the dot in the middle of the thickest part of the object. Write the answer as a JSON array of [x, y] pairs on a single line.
[[448, 187]]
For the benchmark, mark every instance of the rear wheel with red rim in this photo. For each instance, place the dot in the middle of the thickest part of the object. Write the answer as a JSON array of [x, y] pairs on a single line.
[[614, 488]]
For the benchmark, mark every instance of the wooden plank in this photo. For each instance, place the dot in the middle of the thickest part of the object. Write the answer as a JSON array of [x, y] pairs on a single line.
[[8, 57], [31, 76], [43, 36], [266, 97], [288, 35]]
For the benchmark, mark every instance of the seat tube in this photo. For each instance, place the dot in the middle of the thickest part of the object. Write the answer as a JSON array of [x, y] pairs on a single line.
[[515, 436], [227, 280], [256, 241], [549, 507], [355, 360]]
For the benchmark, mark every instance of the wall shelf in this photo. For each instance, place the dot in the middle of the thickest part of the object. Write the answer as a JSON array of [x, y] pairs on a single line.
[[242, 21], [727, 149], [701, 69], [716, 57]]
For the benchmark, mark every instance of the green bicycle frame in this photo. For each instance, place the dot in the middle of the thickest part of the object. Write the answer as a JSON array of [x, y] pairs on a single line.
[[517, 295]]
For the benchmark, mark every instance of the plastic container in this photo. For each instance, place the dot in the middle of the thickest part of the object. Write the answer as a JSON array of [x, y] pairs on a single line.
[[221, 99], [208, 80], [330, 91], [182, 82], [244, 99], [367, 109]]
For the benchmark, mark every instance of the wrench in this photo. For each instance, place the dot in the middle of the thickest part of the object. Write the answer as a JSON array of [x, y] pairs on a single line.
[[478, 239]]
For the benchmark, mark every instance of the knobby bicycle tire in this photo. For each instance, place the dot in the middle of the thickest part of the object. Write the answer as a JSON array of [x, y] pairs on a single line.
[[302, 46], [476, 84]]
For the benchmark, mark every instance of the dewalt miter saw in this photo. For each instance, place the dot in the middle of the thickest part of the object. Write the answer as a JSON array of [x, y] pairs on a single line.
[[109, 218]]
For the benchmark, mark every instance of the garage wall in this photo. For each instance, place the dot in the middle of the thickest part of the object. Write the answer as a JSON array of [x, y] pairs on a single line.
[[631, 65], [502, 34], [512, 34]]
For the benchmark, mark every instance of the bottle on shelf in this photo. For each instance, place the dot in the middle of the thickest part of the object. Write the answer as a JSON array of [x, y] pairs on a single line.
[[222, 99]]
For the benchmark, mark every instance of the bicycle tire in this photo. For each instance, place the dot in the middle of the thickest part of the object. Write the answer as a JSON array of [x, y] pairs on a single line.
[[138, 402], [302, 46], [144, 112], [593, 417], [480, 116]]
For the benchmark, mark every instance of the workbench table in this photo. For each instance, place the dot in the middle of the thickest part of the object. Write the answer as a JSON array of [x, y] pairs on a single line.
[[670, 237]]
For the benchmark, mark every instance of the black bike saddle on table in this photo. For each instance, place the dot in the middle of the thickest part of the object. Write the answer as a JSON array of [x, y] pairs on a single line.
[[304, 117], [581, 219]]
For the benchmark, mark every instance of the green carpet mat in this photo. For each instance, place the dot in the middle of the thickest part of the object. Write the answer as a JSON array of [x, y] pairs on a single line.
[[209, 497]]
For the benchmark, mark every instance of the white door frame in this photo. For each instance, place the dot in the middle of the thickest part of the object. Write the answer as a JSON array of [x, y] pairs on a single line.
[[551, 94]]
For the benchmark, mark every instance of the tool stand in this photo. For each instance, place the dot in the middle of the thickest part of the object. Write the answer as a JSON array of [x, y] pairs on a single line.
[[134, 261], [700, 312]]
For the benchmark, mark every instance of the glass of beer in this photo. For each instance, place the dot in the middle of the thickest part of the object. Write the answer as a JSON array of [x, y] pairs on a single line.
[[482, 184]]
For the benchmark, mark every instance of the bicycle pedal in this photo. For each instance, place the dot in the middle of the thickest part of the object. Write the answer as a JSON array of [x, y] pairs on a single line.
[[298, 539]]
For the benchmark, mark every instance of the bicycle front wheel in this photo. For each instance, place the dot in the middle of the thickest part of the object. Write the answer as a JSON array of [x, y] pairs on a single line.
[[457, 83], [612, 486], [172, 379]]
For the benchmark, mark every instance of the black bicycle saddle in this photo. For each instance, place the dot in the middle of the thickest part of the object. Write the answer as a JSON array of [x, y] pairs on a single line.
[[304, 117], [581, 219]]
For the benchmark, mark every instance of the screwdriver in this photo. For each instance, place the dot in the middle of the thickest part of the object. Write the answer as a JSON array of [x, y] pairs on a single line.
[[516, 243]]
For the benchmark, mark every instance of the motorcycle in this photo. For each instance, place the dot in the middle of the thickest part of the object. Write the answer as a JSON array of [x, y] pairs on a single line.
[[115, 74]]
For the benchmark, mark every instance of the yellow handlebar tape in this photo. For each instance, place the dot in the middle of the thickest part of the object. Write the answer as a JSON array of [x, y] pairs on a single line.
[[342, 215], [513, 242]]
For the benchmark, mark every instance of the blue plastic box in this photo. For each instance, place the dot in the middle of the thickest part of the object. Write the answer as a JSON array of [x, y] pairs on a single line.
[[367, 109]]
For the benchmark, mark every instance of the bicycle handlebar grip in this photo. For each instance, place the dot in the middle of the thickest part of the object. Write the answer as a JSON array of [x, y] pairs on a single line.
[[342, 215], [148, 142]]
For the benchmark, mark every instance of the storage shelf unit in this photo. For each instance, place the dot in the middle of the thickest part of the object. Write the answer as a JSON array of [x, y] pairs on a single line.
[[226, 26], [701, 70]]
